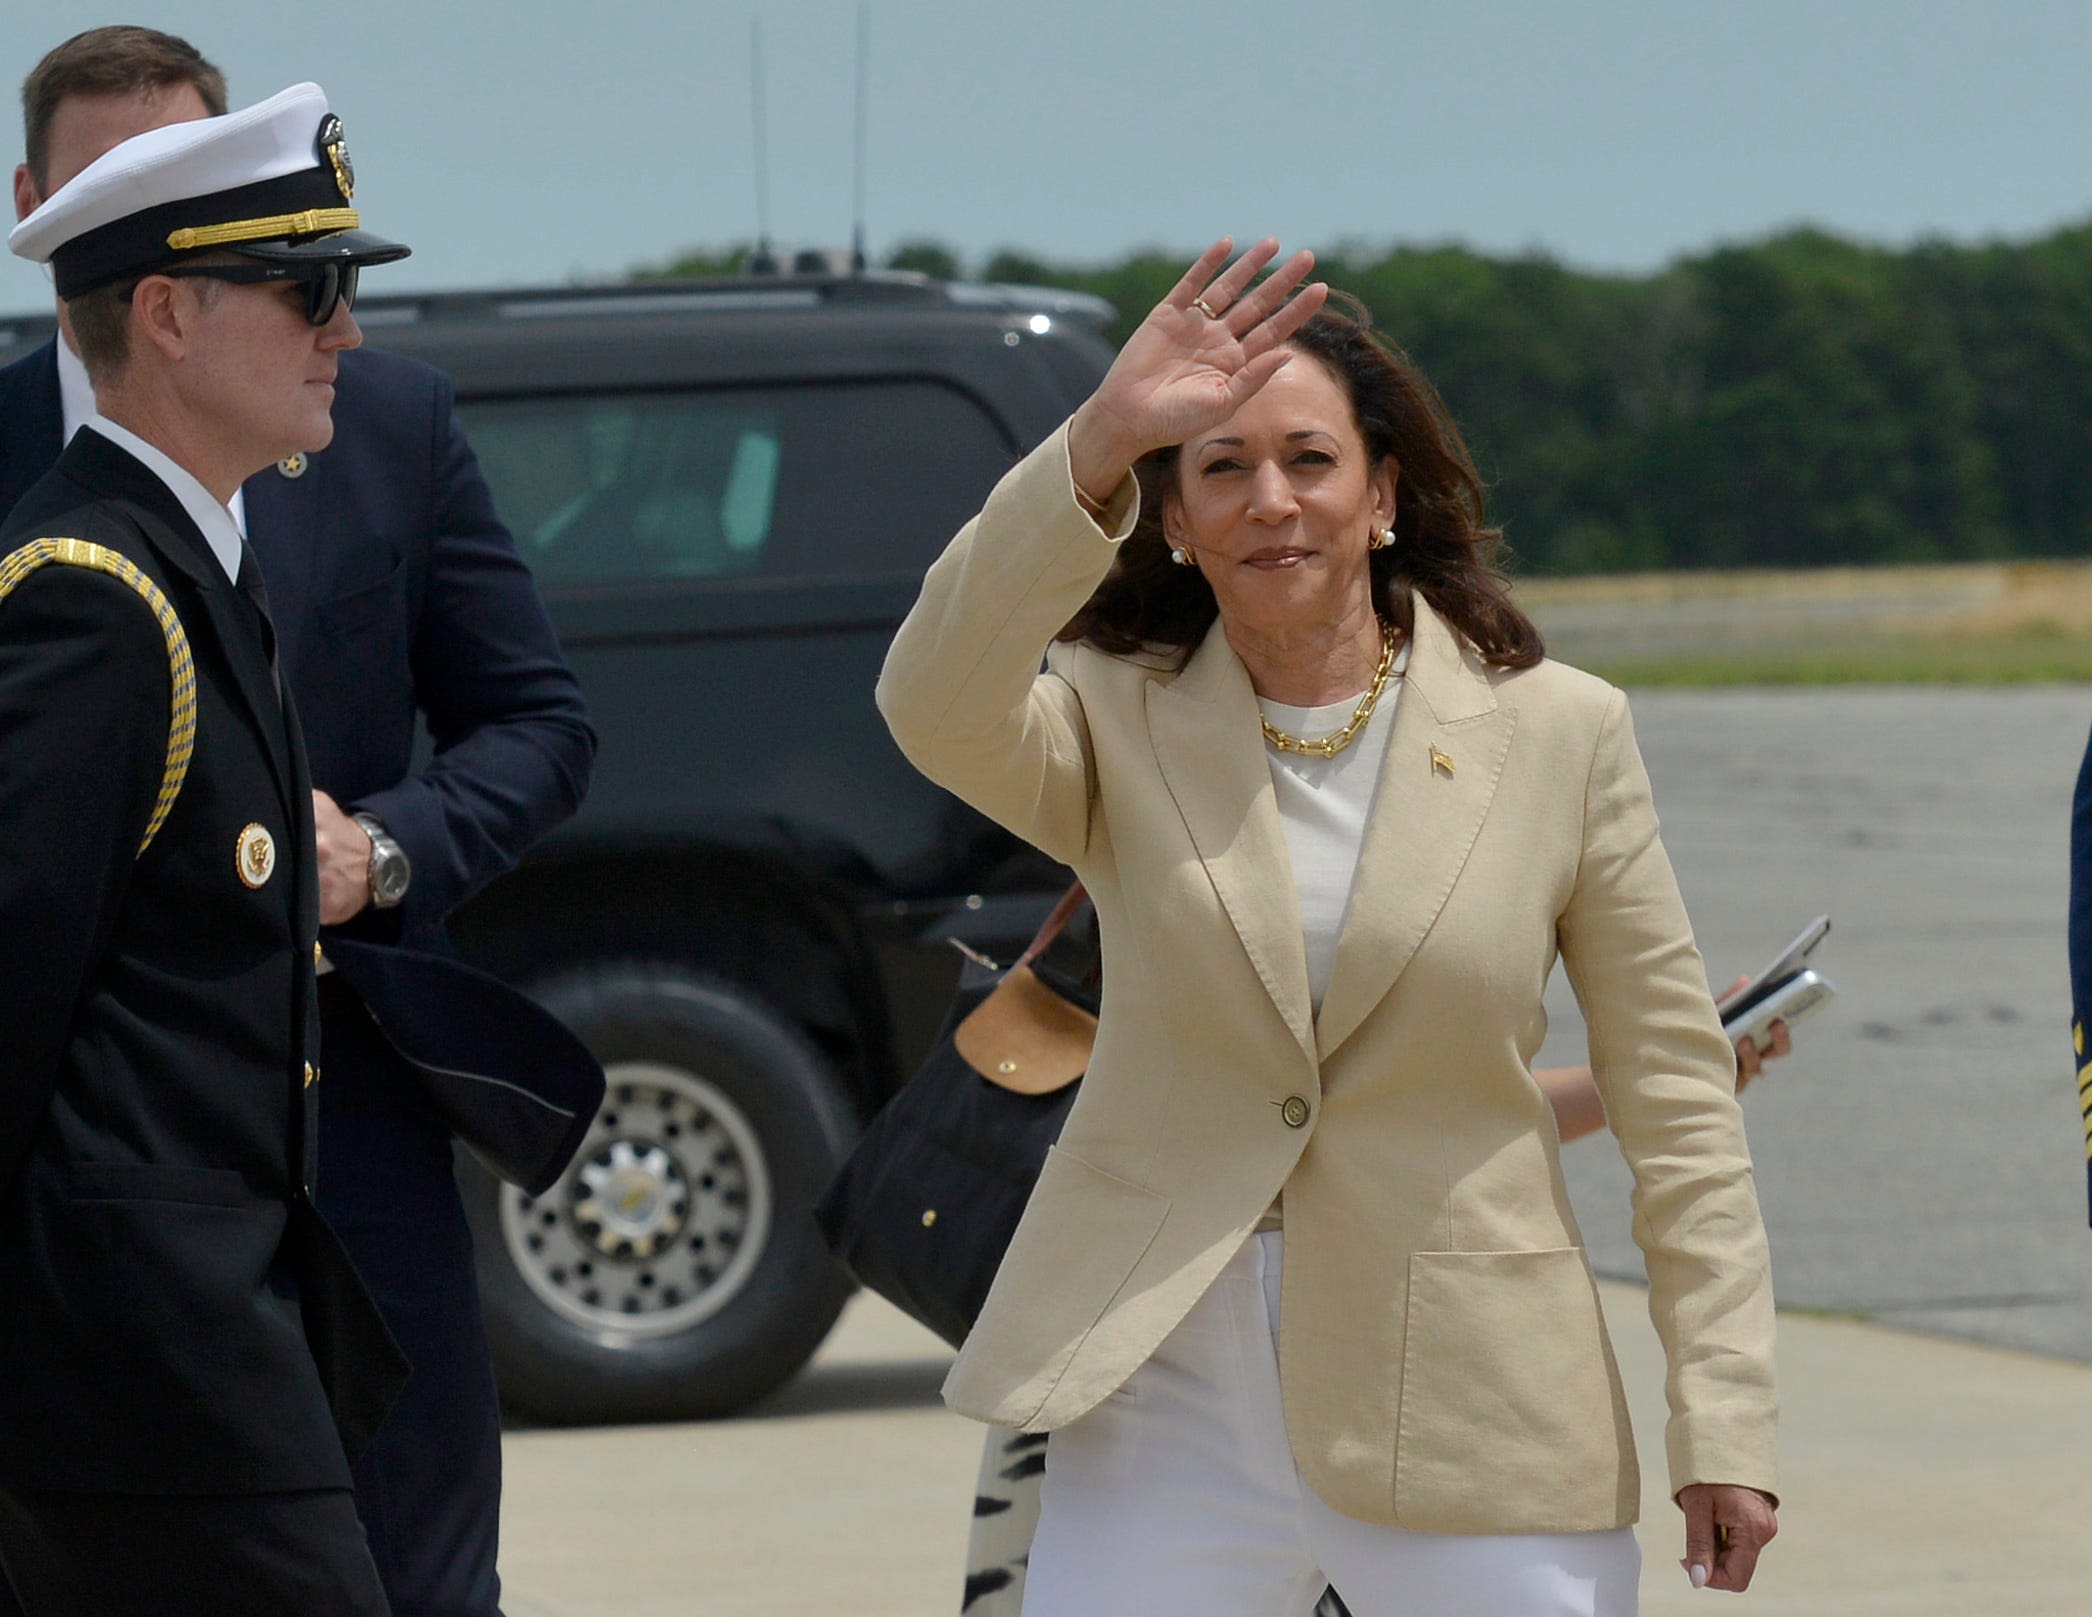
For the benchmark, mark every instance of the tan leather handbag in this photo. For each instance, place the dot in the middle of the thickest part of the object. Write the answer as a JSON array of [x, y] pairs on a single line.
[[925, 1205]]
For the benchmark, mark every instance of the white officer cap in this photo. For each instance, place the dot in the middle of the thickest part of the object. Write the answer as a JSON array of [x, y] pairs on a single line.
[[272, 181]]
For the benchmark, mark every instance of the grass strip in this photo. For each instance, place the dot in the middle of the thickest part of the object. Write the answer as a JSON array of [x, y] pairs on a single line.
[[2027, 657]]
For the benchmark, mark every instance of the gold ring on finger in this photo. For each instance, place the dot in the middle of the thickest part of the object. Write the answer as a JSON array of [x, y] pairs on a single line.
[[1205, 308]]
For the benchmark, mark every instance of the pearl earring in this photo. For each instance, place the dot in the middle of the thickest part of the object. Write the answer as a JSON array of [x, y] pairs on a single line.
[[1181, 556], [1382, 539]]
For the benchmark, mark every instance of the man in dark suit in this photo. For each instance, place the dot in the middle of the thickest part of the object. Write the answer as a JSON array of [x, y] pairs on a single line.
[[394, 589], [187, 1353]]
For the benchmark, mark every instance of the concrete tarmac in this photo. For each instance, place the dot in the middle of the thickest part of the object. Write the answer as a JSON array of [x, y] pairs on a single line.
[[1923, 1478], [1920, 1161]]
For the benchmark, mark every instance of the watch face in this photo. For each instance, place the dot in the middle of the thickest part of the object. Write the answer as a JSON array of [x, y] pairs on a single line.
[[389, 871], [389, 881]]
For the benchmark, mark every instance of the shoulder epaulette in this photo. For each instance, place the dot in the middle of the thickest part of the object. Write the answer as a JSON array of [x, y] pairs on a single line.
[[181, 719]]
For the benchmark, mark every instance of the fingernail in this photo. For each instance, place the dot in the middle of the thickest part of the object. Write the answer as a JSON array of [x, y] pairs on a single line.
[[1699, 1576]]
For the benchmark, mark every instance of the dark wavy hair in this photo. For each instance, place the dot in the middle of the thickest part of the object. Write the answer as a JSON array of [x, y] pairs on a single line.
[[1444, 548]]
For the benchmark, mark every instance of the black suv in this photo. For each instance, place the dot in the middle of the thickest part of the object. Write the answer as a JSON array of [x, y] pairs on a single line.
[[728, 492]]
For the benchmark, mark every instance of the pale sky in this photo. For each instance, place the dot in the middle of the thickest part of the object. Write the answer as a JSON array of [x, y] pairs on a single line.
[[536, 143]]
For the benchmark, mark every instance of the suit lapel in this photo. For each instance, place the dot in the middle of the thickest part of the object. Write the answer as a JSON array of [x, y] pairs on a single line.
[[281, 516], [237, 631], [108, 470], [1203, 726], [1443, 761]]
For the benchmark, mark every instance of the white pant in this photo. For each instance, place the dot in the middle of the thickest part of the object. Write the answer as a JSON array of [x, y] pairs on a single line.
[[1177, 1497]]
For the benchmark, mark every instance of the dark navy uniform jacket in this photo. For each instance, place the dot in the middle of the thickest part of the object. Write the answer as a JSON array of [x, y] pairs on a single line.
[[395, 589], [173, 1313], [2081, 951]]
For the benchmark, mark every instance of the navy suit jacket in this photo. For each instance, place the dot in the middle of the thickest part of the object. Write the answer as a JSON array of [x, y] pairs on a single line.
[[394, 588]]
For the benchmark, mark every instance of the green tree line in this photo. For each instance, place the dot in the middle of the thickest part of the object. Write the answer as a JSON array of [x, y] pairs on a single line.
[[1800, 401]]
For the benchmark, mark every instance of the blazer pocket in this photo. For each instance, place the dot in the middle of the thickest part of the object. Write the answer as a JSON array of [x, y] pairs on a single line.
[[166, 1272], [158, 1182], [1512, 1409]]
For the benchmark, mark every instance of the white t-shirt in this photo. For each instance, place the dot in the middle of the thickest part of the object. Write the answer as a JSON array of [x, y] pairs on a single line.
[[1323, 804]]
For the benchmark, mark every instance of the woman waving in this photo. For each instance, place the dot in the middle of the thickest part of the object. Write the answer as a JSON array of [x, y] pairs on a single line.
[[1300, 1292]]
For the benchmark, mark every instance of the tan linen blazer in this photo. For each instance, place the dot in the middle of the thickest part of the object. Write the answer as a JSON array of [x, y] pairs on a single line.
[[1443, 1359]]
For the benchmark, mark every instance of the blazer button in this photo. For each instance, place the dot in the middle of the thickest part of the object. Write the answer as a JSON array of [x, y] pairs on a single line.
[[1294, 1111], [312, 1075]]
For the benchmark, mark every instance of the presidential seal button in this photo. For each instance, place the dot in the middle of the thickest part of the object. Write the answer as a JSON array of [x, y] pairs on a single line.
[[255, 857], [293, 465], [1295, 1111]]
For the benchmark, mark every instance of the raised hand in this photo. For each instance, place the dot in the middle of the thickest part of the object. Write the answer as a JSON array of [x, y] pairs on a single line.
[[1200, 353]]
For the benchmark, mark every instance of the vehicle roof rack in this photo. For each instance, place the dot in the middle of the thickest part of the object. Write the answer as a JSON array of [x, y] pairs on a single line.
[[729, 292]]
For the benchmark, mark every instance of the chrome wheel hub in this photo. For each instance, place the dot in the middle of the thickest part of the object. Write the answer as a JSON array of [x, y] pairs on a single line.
[[632, 1200], [662, 1217]]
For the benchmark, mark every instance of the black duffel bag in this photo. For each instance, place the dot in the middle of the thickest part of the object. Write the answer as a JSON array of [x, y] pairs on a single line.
[[923, 1208]]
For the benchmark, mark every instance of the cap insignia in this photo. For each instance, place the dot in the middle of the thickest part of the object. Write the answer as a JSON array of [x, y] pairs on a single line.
[[333, 145]]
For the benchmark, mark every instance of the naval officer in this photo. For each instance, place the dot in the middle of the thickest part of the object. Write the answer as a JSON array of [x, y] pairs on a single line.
[[186, 1356], [395, 592]]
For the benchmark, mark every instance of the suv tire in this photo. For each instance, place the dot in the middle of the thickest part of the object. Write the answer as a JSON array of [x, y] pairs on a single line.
[[674, 1272]]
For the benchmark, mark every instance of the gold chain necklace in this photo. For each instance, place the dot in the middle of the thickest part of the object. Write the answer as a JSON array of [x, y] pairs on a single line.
[[1335, 742]]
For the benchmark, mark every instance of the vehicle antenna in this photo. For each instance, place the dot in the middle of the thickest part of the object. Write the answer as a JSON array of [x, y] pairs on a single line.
[[864, 47], [764, 262]]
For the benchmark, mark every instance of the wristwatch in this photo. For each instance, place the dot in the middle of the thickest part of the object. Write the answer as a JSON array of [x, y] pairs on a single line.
[[390, 871]]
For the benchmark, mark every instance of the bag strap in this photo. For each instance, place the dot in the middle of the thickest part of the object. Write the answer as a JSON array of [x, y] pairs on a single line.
[[1050, 928], [181, 718]]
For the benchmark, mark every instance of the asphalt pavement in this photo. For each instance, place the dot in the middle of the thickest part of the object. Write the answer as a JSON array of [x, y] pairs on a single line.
[[1919, 1159]]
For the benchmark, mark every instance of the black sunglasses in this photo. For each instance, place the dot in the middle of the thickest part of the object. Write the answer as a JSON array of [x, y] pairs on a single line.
[[328, 281]]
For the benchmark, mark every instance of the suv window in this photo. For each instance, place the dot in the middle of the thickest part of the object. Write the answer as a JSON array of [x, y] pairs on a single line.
[[737, 483]]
